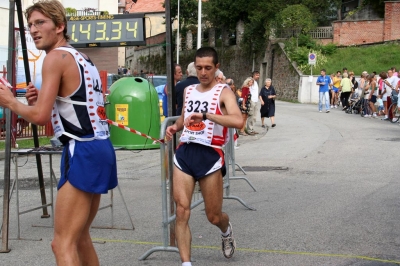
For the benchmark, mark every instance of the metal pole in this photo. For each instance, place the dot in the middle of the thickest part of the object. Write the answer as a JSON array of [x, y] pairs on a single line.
[[199, 27], [34, 127], [171, 108], [311, 81], [177, 35], [7, 159]]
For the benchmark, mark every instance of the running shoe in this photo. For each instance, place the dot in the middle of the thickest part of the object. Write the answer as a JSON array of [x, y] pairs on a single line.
[[228, 244], [327, 111]]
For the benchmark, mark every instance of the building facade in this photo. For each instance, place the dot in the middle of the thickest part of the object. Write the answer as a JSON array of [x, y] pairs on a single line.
[[104, 58]]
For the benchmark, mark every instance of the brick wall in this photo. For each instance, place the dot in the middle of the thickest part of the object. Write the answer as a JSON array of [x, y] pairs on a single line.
[[359, 32], [392, 20], [347, 33], [105, 58]]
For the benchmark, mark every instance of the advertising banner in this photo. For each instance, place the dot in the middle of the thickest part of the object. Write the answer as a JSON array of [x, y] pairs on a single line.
[[35, 59]]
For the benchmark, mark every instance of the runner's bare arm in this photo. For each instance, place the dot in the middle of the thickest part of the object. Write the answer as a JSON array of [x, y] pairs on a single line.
[[39, 113], [178, 125], [232, 116]]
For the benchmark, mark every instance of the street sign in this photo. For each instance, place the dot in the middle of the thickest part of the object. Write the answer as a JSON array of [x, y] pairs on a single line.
[[312, 59]]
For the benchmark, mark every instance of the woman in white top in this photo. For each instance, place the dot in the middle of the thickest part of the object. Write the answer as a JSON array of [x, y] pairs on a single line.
[[364, 85]]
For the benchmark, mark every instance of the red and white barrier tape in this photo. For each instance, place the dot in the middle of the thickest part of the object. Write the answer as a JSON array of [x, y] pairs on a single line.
[[134, 131]]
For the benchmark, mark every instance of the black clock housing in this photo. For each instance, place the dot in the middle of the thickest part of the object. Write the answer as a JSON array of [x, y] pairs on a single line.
[[107, 30]]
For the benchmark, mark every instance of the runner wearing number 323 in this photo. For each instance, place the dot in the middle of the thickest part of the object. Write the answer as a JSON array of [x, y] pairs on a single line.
[[209, 110]]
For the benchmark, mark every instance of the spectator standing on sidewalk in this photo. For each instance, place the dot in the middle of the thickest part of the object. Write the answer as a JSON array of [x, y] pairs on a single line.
[[345, 88], [335, 89], [177, 77], [373, 93], [267, 99], [245, 103], [219, 77], [390, 84], [180, 86], [324, 83], [383, 77], [251, 120]]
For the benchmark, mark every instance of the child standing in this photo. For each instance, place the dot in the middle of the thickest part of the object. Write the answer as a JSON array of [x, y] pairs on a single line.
[[380, 105]]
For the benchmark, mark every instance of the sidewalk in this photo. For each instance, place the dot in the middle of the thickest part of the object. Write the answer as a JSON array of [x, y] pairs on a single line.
[[327, 194]]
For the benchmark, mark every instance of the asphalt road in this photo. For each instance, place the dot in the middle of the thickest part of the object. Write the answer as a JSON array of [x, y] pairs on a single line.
[[327, 194]]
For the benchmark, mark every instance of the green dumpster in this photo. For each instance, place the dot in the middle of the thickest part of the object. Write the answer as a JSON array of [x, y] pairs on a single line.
[[133, 102]]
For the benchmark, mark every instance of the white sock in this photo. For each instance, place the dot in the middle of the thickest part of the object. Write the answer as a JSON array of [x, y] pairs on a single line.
[[186, 263], [227, 232]]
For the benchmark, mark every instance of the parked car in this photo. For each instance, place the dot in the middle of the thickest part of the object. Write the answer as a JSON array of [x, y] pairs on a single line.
[[159, 84], [111, 78]]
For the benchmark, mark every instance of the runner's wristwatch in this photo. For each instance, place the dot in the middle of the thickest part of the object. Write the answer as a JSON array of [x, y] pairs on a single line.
[[204, 115]]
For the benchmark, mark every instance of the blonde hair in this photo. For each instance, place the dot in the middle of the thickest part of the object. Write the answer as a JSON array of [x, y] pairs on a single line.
[[345, 75], [246, 82], [52, 9]]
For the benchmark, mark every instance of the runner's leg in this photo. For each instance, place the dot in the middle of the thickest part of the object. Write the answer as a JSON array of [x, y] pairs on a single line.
[[212, 190], [183, 190], [72, 213], [86, 250]]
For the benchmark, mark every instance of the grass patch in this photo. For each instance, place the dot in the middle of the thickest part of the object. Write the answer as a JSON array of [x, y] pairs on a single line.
[[363, 58], [28, 143]]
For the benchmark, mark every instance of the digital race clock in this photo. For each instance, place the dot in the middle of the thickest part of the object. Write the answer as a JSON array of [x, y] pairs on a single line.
[[107, 30]]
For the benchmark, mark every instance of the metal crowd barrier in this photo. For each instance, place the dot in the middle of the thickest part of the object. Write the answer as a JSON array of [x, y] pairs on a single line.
[[53, 180], [168, 210]]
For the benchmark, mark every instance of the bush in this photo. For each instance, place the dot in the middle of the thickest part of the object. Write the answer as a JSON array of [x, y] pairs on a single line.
[[328, 49], [298, 50], [307, 41]]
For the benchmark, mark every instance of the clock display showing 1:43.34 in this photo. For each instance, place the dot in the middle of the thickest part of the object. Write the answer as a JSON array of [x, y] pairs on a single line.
[[107, 30]]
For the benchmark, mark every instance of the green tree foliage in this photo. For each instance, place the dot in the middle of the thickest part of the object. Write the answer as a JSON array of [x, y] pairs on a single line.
[[322, 10], [259, 16], [226, 13], [298, 51], [188, 11], [296, 17]]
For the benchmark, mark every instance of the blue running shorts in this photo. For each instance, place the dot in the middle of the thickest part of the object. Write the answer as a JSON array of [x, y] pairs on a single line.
[[89, 166], [199, 160]]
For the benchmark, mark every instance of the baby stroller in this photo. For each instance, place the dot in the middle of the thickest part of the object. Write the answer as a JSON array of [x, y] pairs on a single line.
[[355, 104]]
